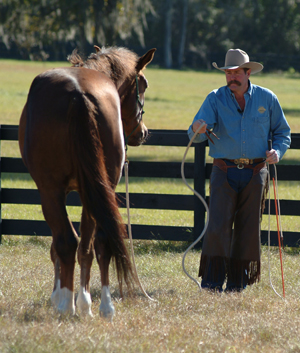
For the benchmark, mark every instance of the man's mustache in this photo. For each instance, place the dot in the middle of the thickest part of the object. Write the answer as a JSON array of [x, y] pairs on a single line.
[[235, 82]]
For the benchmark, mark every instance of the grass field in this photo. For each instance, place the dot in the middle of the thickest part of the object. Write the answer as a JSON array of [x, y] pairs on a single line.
[[184, 320], [172, 100]]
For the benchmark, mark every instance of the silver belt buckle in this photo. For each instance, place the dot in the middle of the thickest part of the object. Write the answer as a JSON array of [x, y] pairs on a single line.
[[240, 162]]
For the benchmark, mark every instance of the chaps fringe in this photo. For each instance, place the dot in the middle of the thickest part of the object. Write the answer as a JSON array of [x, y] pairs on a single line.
[[235, 270]]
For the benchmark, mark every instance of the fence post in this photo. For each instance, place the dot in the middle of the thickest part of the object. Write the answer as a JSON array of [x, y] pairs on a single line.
[[199, 186]]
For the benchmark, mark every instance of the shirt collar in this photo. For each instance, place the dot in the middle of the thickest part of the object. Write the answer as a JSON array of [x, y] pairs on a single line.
[[250, 89]]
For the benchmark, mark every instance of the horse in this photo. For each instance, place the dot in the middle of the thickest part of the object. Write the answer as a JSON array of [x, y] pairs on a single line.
[[73, 131]]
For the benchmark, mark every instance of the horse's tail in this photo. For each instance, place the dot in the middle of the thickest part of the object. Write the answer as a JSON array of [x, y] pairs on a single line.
[[97, 194]]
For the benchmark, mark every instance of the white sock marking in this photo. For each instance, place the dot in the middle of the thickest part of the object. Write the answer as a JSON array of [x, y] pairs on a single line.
[[84, 302], [107, 309]]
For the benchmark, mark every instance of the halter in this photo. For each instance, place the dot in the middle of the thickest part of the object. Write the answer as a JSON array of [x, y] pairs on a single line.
[[141, 112]]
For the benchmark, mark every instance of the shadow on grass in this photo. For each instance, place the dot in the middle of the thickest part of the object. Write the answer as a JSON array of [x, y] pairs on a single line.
[[292, 251], [158, 247], [292, 112], [289, 161], [43, 242], [16, 176]]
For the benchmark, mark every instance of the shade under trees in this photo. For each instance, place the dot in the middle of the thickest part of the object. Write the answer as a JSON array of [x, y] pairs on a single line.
[[186, 32]]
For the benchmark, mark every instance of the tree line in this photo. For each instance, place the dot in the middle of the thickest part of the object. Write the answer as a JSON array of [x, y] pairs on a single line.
[[190, 33]]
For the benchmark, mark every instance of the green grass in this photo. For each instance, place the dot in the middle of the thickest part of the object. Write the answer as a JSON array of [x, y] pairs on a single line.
[[172, 100], [184, 320]]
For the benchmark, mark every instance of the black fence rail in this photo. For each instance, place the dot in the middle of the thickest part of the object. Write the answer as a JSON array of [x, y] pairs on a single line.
[[198, 171]]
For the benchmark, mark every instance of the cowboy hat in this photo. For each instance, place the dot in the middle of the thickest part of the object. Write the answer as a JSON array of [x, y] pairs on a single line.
[[238, 59]]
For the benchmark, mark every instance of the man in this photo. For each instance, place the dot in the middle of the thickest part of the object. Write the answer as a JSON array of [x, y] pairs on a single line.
[[243, 116]]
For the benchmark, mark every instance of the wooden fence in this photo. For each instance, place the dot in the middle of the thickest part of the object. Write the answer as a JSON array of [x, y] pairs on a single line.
[[199, 171]]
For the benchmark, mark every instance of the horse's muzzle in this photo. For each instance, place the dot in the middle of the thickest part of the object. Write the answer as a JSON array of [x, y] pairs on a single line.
[[139, 138]]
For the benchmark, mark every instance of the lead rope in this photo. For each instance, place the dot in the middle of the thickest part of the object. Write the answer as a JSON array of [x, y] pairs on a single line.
[[269, 227], [130, 232], [201, 199]]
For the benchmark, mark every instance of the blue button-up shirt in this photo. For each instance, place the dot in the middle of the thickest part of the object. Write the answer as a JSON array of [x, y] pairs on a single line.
[[243, 134]]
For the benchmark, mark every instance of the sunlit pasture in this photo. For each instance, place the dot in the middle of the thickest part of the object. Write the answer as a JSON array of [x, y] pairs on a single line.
[[183, 320]]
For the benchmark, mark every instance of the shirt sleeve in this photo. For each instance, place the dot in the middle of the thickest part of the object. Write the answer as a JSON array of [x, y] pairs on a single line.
[[281, 132], [207, 113]]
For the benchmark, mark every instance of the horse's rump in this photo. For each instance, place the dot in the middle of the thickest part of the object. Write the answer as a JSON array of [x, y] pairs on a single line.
[[77, 143]]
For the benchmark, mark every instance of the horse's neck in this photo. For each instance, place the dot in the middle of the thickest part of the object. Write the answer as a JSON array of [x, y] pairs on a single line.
[[122, 86]]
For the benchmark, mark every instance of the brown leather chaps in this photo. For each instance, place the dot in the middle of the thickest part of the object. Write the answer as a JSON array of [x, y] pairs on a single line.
[[231, 246]]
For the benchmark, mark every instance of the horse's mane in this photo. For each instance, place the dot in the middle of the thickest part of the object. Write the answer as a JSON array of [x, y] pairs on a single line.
[[115, 62]]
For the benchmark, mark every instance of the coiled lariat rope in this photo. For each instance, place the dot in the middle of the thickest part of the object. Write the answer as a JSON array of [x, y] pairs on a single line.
[[201, 199], [130, 232]]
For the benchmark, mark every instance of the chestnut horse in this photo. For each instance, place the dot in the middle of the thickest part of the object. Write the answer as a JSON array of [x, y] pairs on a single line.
[[72, 136]]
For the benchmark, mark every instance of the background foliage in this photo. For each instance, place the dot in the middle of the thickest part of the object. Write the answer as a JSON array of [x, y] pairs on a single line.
[[187, 32]]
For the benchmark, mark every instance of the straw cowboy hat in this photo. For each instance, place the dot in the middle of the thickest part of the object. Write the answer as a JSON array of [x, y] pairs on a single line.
[[238, 59]]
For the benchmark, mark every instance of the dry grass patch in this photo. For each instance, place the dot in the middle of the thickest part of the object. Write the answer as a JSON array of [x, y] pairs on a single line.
[[184, 320]]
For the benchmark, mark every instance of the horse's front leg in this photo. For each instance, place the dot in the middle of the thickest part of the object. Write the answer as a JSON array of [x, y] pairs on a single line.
[[85, 258], [103, 255]]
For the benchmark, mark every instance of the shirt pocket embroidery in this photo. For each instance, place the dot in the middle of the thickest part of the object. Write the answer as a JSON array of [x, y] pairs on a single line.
[[261, 125]]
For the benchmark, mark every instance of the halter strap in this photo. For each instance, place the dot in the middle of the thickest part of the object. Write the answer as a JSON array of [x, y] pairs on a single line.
[[138, 102]]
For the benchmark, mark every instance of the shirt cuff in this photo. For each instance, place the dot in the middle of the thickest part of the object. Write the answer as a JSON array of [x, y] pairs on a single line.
[[198, 138]]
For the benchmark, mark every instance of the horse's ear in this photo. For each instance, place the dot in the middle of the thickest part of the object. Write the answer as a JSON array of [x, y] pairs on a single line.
[[97, 48], [145, 60]]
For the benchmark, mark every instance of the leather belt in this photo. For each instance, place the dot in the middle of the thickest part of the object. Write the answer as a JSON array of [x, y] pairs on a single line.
[[220, 163], [246, 160]]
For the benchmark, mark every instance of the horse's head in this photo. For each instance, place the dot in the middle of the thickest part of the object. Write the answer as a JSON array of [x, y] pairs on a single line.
[[125, 69], [132, 103]]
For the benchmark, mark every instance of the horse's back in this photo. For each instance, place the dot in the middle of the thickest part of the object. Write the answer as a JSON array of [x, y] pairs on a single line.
[[60, 98], [52, 92]]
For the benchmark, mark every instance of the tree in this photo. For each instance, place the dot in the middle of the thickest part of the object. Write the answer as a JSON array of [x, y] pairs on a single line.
[[32, 25], [183, 33], [194, 32], [168, 35]]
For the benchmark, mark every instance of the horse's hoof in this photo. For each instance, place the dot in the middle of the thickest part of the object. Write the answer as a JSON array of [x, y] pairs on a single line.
[[106, 309], [107, 314], [84, 302], [66, 302], [65, 308], [55, 298]]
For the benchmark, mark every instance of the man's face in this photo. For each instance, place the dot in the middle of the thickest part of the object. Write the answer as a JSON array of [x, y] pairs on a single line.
[[237, 80]]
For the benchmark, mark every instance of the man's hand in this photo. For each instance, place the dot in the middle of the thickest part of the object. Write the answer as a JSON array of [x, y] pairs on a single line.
[[196, 125], [272, 156]]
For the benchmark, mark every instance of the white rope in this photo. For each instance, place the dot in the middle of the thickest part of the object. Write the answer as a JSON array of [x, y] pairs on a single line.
[[130, 233], [207, 219], [269, 225], [202, 200]]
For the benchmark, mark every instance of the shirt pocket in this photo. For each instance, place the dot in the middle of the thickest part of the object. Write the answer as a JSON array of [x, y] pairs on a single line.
[[261, 125]]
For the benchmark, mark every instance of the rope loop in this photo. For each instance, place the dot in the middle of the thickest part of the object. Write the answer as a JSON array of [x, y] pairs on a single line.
[[130, 232], [201, 199]]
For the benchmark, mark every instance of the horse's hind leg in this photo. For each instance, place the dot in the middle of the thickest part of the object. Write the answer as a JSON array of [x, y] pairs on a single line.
[[85, 258], [103, 255], [63, 249], [56, 289]]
